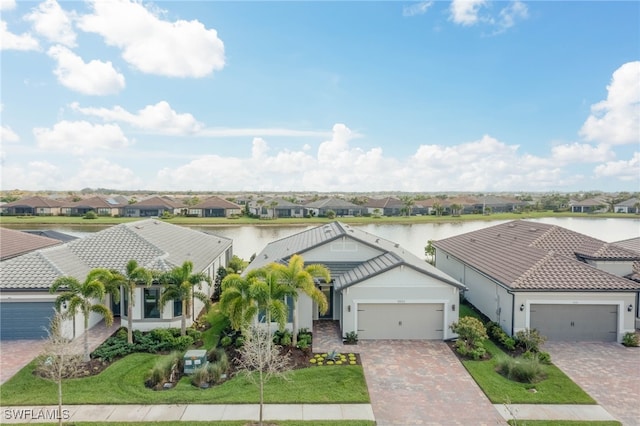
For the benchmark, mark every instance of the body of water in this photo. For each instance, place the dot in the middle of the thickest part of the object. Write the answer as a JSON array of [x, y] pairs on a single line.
[[249, 239]]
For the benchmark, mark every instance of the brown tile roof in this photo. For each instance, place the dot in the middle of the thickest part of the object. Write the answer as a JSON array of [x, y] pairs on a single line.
[[94, 202], [535, 256], [383, 202], [15, 243], [158, 201], [216, 203], [34, 202]]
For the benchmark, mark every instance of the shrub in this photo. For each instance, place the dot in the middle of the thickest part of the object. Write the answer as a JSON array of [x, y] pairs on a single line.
[[215, 372], [239, 342], [631, 339], [112, 348], [90, 215], [166, 369], [544, 357], [530, 339], [181, 343], [351, 337], [226, 341], [500, 336], [200, 376], [521, 369], [471, 335]]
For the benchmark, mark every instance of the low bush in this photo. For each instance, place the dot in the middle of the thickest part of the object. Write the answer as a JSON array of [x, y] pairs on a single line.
[[351, 337], [521, 369], [500, 336], [471, 335], [166, 370], [530, 339], [631, 339], [154, 341]]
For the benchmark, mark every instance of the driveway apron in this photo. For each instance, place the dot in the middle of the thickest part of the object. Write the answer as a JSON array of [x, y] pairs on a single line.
[[609, 372]]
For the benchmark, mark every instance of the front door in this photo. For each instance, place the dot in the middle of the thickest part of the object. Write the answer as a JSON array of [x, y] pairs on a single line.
[[328, 293]]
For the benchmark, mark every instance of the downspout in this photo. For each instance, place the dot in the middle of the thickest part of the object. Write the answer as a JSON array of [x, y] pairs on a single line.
[[513, 311]]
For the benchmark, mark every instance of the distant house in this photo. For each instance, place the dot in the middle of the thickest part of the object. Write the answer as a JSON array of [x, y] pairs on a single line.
[[498, 204], [339, 206], [215, 207], [275, 208], [98, 205], [26, 304], [15, 243], [591, 205], [378, 289], [524, 274], [388, 206], [631, 205], [33, 206], [154, 207]]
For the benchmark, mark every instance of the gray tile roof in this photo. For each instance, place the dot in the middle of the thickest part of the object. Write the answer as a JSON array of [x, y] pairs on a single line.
[[332, 203], [526, 255], [15, 243], [95, 202], [154, 244], [390, 255], [216, 203]]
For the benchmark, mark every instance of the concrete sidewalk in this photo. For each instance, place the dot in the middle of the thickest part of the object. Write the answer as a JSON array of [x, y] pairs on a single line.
[[190, 412], [553, 412]]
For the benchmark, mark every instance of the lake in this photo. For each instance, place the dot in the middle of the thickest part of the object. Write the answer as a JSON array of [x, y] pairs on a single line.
[[250, 239]]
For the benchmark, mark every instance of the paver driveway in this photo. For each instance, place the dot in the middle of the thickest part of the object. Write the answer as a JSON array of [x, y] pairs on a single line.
[[609, 372]]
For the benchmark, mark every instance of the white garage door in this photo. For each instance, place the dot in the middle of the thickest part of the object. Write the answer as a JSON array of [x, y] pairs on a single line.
[[595, 323], [400, 321]]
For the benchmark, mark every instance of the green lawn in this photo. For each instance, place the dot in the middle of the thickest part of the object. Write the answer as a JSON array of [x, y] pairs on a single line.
[[123, 383], [219, 322]]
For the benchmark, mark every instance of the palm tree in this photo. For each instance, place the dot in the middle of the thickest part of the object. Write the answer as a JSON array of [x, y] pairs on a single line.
[[237, 301], [300, 278], [407, 202], [135, 275], [456, 209], [270, 293], [80, 297], [179, 285], [273, 204]]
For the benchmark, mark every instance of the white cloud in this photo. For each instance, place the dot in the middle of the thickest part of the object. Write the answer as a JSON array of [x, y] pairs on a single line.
[[92, 78], [80, 137], [419, 8], [101, 173], [52, 22], [34, 174], [159, 117], [614, 121], [581, 153], [623, 170], [8, 135], [155, 46], [508, 16], [7, 4], [466, 12], [10, 41]]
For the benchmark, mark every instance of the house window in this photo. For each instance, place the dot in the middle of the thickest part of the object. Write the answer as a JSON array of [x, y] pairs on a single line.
[[151, 303], [177, 308]]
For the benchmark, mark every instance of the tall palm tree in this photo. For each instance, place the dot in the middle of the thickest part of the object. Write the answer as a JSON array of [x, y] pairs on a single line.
[[237, 300], [300, 278], [270, 293], [79, 297], [135, 275], [179, 285], [456, 209]]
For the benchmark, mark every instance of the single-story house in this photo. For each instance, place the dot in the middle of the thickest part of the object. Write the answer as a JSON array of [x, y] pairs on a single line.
[[33, 206], [26, 304], [215, 207], [524, 274], [99, 205], [15, 243], [631, 205], [275, 207], [154, 207], [378, 289], [388, 206], [591, 205], [339, 206]]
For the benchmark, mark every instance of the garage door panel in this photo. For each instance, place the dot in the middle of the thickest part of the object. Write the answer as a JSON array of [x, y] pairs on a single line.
[[576, 322], [400, 321], [25, 320]]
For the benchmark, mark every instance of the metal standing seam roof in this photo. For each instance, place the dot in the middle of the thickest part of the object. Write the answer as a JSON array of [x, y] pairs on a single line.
[[391, 254], [152, 243], [535, 256]]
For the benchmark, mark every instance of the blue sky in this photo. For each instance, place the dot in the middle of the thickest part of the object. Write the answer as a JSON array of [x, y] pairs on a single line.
[[321, 96]]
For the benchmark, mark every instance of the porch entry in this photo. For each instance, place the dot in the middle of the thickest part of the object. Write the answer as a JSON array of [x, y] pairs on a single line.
[[327, 290]]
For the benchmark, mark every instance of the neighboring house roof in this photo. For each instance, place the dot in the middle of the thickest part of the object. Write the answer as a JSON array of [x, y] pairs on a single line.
[[381, 203], [95, 203], [216, 203], [591, 202], [628, 203], [34, 202], [332, 203], [282, 203], [60, 236], [158, 202], [15, 243], [527, 255], [154, 244], [632, 244], [391, 254]]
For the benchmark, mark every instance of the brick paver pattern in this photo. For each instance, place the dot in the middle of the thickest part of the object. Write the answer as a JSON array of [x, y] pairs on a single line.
[[414, 382]]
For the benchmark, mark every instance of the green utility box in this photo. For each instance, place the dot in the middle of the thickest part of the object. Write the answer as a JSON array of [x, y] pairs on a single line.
[[193, 359]]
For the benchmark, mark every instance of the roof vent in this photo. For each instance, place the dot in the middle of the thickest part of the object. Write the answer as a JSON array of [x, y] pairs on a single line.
[[378, 240], [473, 240], [533, 229], [265, 256], [396, 245]]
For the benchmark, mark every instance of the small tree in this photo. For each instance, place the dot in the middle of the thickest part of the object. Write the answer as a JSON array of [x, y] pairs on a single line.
[[530, 339], [261, 360], [430, 252], [60, 359], [472, 334]]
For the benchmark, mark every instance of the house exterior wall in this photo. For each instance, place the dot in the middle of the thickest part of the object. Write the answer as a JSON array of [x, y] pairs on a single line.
[[626, 319], [399, 285], [619, 268], [342, 250]]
